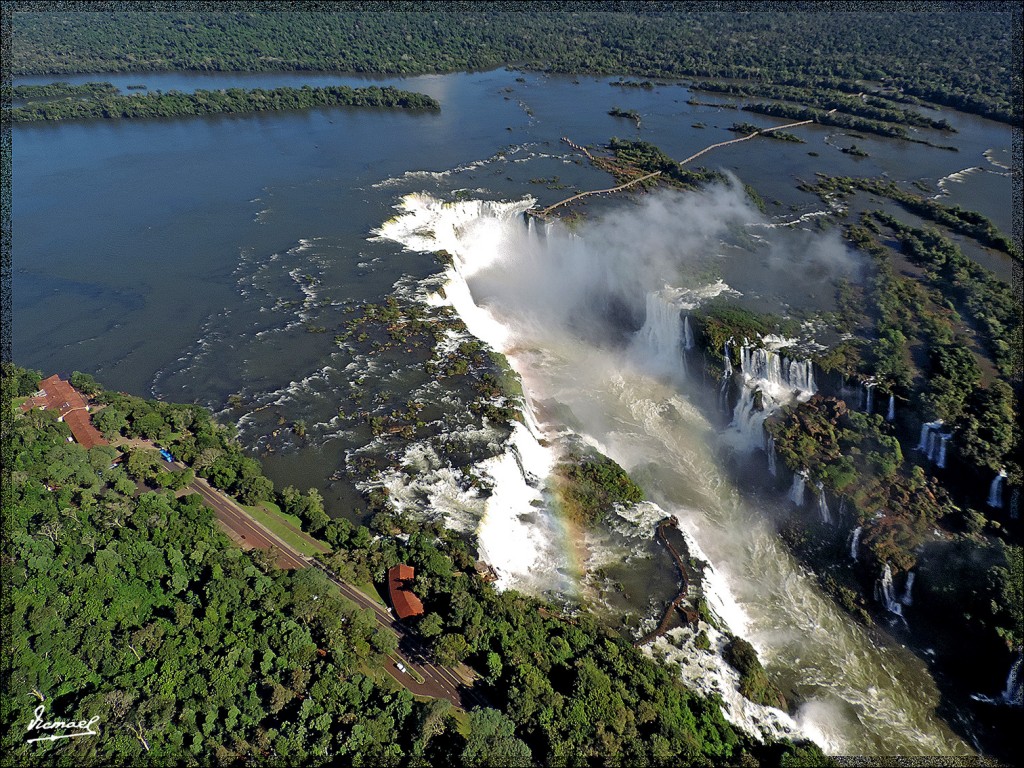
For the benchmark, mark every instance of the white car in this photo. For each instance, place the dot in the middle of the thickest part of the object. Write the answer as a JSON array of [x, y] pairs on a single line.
[[401, 667]]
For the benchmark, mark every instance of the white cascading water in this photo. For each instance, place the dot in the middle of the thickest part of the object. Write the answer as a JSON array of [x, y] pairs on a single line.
[[687, 334], [854, 542], [869, 396], [769, 382], [891, 413], [995, 491], [823, 504], [1013, 694], [908, 598], [885, 593], [926, 430], [661, 337], [796, 490], [771, 457], [858, 697], [943, 439]]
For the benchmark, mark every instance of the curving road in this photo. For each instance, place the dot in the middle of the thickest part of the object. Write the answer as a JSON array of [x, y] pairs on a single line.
[[438, 682]]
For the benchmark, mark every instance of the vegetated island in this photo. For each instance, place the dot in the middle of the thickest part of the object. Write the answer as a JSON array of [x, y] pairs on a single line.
[[129, 603], [853, 51], [958, 219], [749, 128], [101, 104]]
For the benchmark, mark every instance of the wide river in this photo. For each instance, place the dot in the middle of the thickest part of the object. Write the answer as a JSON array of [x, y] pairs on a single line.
[[185, 258]]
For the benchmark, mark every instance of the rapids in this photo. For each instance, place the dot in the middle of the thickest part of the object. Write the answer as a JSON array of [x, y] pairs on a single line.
[[536, 294]]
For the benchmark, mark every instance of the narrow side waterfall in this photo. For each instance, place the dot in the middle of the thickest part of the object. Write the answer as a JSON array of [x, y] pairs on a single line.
[[885, 593], [995, 491], [854, 542], [796, 491], [687, 334], [891, 413], [728, 362], [869, 396], [907, 598], [771, 457], [1013, 694], [823, 504], [944, 438], [931, 439]]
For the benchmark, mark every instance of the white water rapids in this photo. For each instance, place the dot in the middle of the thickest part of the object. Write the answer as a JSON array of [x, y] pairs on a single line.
[[528, 294]]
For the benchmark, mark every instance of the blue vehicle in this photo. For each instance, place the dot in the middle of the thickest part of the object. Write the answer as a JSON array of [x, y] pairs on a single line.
[[166, 455]]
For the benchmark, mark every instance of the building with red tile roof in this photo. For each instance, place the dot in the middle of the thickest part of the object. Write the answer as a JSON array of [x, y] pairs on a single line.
[[405, 603], [57, 395]]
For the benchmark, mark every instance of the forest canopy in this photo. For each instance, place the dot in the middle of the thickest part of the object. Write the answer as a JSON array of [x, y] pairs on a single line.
[[971, 69]]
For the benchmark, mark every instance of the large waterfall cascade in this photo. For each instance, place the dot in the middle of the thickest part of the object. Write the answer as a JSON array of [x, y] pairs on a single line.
[[770, 381], [662, 335]]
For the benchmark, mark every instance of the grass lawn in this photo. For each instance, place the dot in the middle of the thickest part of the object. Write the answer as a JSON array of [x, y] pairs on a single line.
[[271, 517]]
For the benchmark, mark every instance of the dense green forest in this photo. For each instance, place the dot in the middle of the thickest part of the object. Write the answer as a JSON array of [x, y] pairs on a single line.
[[959, 59], [941, 335], [127, 603], [102, 104]]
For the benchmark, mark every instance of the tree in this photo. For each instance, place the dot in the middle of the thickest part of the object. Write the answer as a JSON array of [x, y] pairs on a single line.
[[492, 742]]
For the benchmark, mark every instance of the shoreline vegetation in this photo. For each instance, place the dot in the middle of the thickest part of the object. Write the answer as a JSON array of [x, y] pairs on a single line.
[[222, 655], [853, 51], [97, 101]]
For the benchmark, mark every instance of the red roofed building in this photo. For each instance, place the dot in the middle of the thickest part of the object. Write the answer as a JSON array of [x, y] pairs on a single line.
[[57, 395], [405, 603]]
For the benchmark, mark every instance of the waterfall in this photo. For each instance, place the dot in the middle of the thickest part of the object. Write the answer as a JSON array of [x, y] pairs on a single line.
[[869, 395], [995, 491], [931, 440], [926, 431], [728, 363], [796, 491], [771, 457], [687, 334], [823, 504], [854, 542], [944, 437], [907, 598], [769, 381], [662, 334], [891, 414], [1013, 694], [884, 592]]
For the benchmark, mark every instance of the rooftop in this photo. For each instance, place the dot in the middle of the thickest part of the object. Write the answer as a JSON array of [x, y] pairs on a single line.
[[58, 395]]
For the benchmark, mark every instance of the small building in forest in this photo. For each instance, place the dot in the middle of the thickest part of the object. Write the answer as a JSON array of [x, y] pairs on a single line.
[[55, 394], [403, 600]]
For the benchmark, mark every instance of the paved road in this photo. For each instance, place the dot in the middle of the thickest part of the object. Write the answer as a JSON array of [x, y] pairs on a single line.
[[438, 682]]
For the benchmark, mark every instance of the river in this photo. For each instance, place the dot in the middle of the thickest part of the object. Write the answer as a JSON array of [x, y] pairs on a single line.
[[188, 258]]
